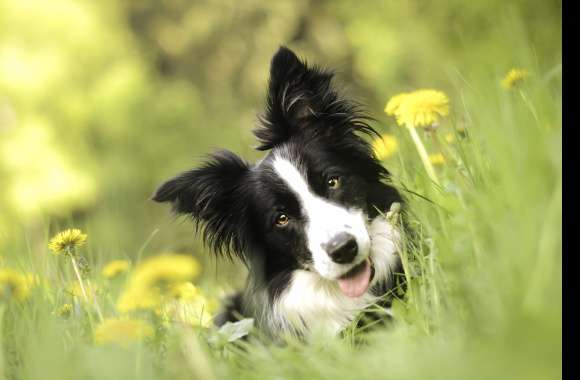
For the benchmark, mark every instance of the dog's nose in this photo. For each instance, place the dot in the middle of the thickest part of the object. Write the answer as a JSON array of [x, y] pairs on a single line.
[[342, 249]]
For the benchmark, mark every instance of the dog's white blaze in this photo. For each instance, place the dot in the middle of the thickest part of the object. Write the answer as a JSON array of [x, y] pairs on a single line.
[[325, 221], [313, 301]]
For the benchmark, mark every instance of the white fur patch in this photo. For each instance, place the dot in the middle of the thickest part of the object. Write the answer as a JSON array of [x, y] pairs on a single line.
[[325, 221], [313, 301]]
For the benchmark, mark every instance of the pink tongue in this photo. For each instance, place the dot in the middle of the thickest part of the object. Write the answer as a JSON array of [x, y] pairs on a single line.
[[358, 284]]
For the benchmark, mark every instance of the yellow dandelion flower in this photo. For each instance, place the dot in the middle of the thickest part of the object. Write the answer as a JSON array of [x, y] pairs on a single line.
[[195, 311], [394, 103], [184, 291], [422, 108], [166, 269], [122, 332], [13, 285], [437, 159], [193, 314], [134, 298], [385, 146], [115, 268], [514, 78], [153, 279], [67, 240], [64, 311]]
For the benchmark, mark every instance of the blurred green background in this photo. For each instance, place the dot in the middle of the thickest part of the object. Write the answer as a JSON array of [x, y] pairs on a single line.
[[100, 101]]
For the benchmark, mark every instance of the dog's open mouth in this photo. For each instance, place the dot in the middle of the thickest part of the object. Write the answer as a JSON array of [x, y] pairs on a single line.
[[356, 281]]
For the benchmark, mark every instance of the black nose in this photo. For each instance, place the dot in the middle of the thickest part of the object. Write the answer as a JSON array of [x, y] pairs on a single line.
[[342, 249]]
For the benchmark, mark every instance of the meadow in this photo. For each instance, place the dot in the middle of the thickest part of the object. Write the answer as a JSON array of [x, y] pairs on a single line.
[[100, 103]]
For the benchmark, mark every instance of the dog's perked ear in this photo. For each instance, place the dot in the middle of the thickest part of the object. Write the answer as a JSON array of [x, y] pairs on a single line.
[[302, 97], [211, 196], [291, 91]]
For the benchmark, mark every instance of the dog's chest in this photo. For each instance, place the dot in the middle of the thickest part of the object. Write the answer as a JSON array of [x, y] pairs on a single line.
[[315, 304]]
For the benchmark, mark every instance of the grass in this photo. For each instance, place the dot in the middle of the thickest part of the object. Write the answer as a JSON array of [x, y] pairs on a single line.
[[484, 298]]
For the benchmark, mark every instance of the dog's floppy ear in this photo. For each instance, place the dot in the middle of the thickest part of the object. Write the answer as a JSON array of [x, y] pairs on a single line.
[[295, 93], [211, 196]]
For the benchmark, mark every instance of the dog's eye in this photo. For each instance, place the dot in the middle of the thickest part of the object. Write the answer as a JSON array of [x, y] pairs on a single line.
[[333, 182], [282, 220]]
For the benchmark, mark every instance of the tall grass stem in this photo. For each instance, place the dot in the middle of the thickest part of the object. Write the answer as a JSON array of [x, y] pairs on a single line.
[[423, 154], [83, 289]]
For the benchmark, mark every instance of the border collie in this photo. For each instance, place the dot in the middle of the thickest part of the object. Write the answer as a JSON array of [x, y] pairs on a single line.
[[307, 219]]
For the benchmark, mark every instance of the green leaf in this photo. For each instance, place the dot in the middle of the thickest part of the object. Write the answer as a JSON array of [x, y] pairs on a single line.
[[232, 331]]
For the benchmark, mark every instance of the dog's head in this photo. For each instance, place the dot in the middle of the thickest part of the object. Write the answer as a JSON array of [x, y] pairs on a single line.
[[307, 204]]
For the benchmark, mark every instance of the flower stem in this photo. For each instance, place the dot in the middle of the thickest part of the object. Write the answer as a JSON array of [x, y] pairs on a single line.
[[97, 307], [436, 304], [530, 107], [423, 154], [80, 279]]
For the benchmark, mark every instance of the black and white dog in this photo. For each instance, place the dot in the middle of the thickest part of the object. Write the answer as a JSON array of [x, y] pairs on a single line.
[[307, 218]]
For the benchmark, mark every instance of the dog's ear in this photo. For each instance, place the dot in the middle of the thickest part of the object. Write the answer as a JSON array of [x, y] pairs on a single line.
[[211, 196], [295, 93], [300, 98]]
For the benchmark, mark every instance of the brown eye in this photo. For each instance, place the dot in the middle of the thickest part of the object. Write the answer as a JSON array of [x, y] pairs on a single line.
[[282, 220], [333, 182]]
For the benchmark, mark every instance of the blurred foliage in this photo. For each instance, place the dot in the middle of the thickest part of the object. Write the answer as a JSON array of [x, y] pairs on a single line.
[[101, 101]]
